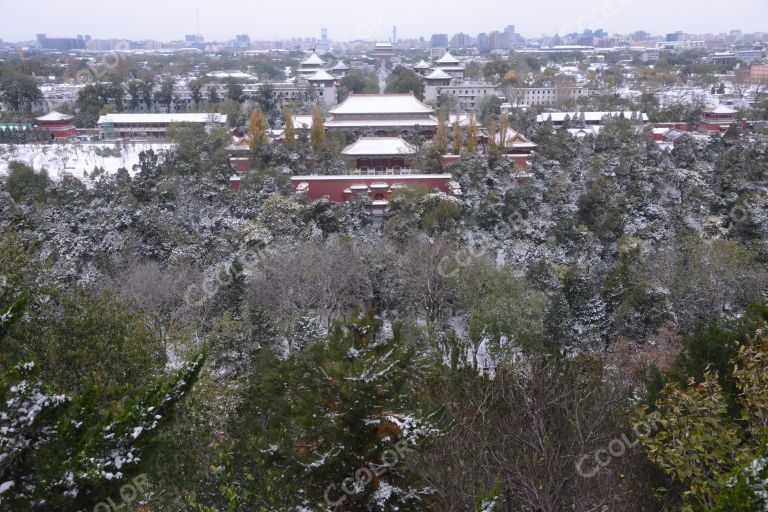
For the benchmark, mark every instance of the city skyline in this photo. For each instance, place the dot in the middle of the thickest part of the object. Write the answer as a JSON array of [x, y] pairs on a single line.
[[371, 21]]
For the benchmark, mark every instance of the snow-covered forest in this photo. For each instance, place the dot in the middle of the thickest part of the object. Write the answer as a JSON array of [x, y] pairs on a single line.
[[589, 338]]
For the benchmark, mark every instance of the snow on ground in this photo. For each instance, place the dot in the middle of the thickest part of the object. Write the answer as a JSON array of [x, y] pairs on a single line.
[[79, 160]]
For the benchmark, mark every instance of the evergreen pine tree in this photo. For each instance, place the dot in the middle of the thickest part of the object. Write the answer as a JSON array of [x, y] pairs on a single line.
[[306, 329], [333, 428], [60, 453]]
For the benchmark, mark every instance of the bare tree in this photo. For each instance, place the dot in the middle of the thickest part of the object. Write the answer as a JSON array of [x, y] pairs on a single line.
[[164, 294], [534, 431], [326, 277]]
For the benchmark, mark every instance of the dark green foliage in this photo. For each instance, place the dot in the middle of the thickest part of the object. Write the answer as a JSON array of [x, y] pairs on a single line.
[[330, 410], [165, 95], [24, 184], [19, 91], [234, 91], [357, 82], [69, 456], [404, 80], [12, 314], [634, 307], [488, 108], [68, 451], [712, 347], [599, 210], [744, 491], [110, 346], [91, 100]]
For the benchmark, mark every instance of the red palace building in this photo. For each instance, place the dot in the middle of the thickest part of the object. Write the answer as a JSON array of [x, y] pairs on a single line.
[[382, 115], [717, 118], [59, 125], [341, 188], [380, 155]]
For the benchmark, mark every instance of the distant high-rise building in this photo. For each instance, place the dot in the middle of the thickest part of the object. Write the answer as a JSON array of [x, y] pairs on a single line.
[[324, 34], [394, 34], [498, 40], [60, 43], [483, 41], [242, 41], [460, 40], [439, 40], [675, 37], [641, 35], [193, 39], [511, 36]]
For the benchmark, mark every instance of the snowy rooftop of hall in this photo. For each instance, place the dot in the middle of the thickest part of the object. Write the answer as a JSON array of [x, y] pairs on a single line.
[[438, 74], [202, 117], [313, 60], [374, 104], [719, 109], [447, 58], [340, 66], [321, 76], [515, 139], [375, 146], [54, 116], [231, 74]]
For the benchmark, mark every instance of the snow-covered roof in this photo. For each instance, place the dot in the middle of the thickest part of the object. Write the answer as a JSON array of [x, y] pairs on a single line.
[[313, 60], [515, 139], [447, 59], [321, 76], [720, 109], [381, 104], [354, 178], [559, 117], [438, 74], [163, 118], [421, 65], [340, 66], [383, 45], [54, 116], [379, 146], [231, 74], [428, 122]]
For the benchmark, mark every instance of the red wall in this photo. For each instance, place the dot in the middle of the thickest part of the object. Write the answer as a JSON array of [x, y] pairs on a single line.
[[59, 129], [334, 188], [240, 164]]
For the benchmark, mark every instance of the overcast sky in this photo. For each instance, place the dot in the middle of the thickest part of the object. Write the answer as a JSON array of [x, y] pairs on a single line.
[[168, 20]]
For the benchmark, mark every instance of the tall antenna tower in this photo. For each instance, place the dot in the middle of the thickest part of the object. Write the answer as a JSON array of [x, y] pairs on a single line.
[[197, 16]]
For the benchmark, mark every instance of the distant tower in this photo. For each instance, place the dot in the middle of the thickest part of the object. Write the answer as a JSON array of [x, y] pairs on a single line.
[[324, 34], [394, 34]]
